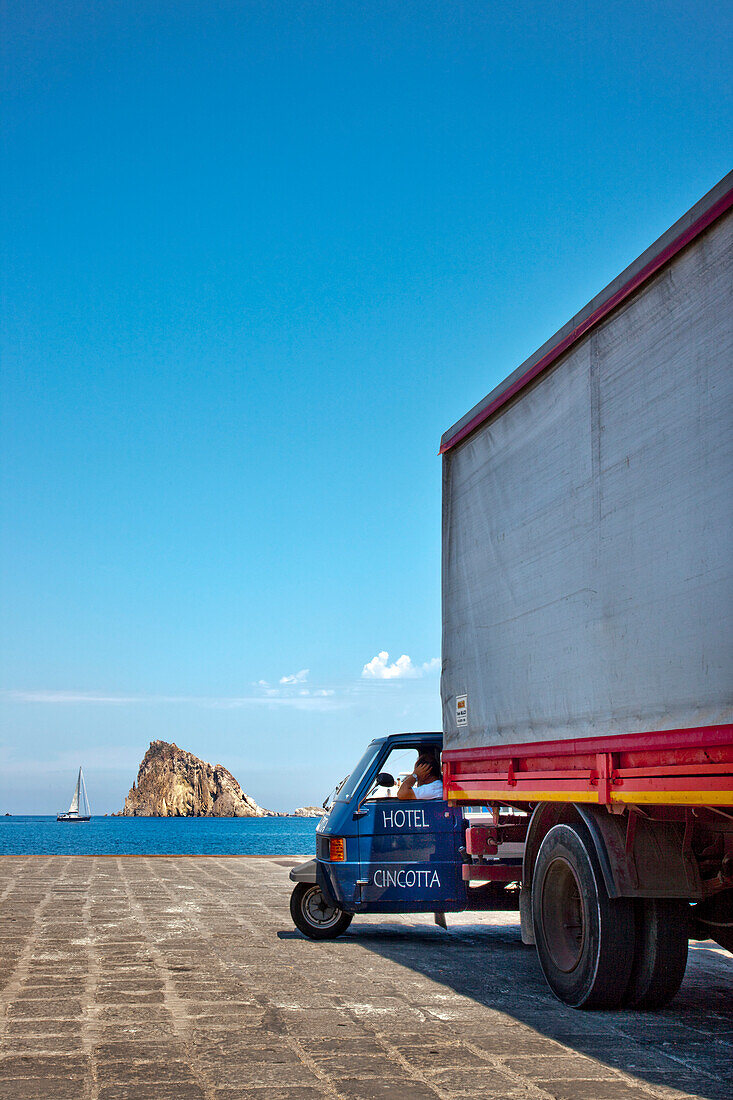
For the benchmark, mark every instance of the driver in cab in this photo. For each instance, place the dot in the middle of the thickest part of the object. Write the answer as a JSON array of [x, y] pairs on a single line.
[[425, 782]]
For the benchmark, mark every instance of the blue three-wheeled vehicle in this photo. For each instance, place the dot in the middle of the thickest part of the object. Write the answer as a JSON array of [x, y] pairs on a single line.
[[376, 853]]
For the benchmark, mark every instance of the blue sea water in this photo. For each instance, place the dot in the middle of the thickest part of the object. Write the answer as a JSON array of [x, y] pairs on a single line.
[[158, 836]]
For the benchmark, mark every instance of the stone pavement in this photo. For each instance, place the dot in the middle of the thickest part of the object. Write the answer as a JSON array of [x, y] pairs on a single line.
[[184, 979]]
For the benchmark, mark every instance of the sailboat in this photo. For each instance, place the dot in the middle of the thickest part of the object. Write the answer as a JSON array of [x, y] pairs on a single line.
[[78, 800]]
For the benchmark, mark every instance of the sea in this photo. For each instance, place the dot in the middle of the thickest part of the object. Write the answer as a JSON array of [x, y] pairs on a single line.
[[107, 836]]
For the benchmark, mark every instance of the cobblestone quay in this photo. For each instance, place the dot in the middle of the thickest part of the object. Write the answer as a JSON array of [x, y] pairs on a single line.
[[184, 979]]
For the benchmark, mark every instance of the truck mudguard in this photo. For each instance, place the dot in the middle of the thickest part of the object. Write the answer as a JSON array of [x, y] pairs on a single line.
[[639, 857]]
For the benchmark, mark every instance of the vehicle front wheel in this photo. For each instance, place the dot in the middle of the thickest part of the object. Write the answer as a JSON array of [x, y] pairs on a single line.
[[585, 940], [313, 914]]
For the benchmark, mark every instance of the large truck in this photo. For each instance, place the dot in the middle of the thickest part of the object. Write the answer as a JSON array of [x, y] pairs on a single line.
[[587, 619], [587, 742]]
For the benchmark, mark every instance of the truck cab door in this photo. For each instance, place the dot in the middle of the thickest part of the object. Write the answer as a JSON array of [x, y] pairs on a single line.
[[408, 856]]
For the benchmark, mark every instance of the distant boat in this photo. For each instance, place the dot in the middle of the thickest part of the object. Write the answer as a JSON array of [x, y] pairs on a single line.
[[79, 799]]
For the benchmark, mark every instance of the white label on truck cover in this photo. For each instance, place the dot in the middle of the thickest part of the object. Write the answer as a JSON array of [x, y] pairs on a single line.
[[461, 710]]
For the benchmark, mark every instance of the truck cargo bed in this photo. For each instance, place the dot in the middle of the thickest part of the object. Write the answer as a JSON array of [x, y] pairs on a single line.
[[587, 516]]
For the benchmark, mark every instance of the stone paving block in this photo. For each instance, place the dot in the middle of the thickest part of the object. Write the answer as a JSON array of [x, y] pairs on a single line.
[[215, 1034], [355, 1066], [250, 1020], [137, 1090], [44, 1007], [319, 1049], [35, 994], [163, 1072], [235, 1052], [61, 972], [431, 1034], [320, 1023], [144, 981], [433, 1055], [130, 1050], [41, 1088], [385, 1090], [251, 1074], [687, 1085], [40, 1044], [41, 1065], [632, 1058], [40, 1026], [514, 1041], [150, 1015], [579, 1089], [37, 985], [123, 1030], [478, 1081], [547, 1066], [128, 997]]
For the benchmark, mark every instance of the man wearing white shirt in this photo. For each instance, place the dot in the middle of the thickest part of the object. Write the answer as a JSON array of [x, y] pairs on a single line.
[[425, 782]]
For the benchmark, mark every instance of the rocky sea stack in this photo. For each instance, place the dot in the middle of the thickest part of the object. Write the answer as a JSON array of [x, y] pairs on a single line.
[[174, 783]]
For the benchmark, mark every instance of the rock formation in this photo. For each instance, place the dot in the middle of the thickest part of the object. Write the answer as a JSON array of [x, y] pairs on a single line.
[[174, 783], [308, 811]]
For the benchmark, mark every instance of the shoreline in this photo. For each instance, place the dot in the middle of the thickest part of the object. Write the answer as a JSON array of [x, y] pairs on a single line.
[[153, 855]]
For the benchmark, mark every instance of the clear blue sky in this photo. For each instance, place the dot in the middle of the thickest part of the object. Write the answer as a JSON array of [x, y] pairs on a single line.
[[257, 257]]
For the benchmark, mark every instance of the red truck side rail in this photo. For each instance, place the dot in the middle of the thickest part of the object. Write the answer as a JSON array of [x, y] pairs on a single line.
[[691, 767]]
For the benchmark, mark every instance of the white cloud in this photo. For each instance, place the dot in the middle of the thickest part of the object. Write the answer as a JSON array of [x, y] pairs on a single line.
[[317, 700], [67, 697], [379, 668], [296, 678]]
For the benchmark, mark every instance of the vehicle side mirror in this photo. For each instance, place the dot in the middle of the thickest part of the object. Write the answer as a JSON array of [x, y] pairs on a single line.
[[384, 779]]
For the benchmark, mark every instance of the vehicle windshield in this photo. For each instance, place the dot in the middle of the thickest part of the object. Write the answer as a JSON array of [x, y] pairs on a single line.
[[353, 781]]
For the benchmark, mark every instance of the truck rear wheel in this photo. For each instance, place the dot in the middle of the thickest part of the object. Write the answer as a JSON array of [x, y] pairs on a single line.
[[313, 914], [713, 919], [585, 940], [660, 955]]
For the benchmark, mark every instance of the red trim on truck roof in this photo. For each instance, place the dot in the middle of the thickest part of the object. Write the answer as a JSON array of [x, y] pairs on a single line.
[[707, 218]]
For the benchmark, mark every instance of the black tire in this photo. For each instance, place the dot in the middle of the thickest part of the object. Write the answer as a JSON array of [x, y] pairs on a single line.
[[313, 915], [660, 955], [585, 940]]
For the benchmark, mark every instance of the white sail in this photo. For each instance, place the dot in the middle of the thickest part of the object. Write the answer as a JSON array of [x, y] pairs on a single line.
[[86, 808], [74, 807]]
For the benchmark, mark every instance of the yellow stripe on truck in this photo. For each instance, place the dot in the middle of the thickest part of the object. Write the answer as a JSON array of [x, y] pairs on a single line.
[[508, 794], [660, 798], [697, 798]]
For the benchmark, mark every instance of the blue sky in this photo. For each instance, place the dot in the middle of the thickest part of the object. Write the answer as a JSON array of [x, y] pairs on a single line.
[[257, 257]]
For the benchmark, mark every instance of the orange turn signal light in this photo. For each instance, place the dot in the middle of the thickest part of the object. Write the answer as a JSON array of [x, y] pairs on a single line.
[[337, 849]]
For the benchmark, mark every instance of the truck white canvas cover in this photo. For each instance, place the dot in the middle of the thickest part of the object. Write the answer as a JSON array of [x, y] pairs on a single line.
[[587, 551]]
